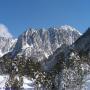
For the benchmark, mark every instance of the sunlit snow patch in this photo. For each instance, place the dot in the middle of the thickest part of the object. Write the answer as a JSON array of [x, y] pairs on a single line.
[[27, 84]]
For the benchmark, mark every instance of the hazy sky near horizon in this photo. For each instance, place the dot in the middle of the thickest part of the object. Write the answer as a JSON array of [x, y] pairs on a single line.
[[18, 15]]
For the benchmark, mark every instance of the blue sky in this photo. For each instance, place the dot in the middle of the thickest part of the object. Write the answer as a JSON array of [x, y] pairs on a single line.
[[18, 15]]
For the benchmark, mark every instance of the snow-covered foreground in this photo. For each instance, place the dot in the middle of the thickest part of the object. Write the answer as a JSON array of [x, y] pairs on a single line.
[[87, 83], [3, 79], [27, 84]]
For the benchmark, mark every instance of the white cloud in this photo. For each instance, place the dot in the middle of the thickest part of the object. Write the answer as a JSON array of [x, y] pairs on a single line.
[[4, 31]]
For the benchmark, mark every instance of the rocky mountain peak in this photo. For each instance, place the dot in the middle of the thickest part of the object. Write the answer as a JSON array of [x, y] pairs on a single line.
[[40, 43]]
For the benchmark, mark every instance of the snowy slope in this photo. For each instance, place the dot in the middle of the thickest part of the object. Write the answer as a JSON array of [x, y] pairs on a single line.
[[27, 84], [6, 45], [3, 79], [6, 40], [41, 43], [86, 85], [74, 63]]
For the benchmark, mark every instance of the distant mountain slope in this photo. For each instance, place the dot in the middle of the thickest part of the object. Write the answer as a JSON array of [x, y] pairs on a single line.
[[40, 43], [6, 45], [71, 64], [64, 54], [6, 40], [80, 47]]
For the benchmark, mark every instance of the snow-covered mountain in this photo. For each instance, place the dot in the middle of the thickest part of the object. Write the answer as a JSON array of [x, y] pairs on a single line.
[[71, 64], [6, 45], [41, 43], [66, 55], [7, 42], [81, 47]]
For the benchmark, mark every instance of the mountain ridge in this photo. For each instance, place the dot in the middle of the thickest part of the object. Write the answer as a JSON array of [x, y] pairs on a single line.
[[66, 68], [43, 42]]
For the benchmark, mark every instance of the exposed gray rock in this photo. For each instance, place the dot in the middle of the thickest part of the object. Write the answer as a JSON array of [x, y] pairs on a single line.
[[42, 43]]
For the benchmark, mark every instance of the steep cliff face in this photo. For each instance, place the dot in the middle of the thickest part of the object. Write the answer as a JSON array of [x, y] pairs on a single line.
[[42, 43]]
